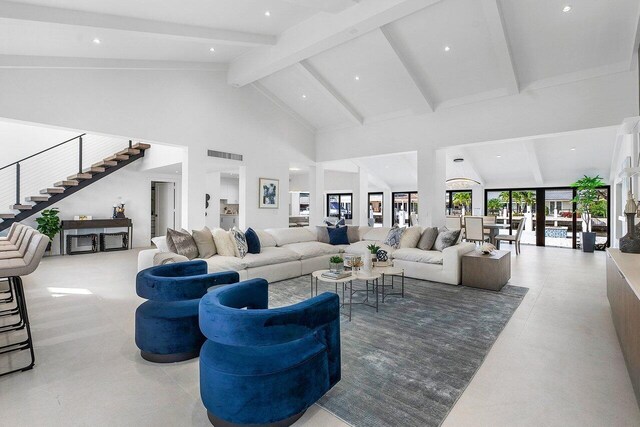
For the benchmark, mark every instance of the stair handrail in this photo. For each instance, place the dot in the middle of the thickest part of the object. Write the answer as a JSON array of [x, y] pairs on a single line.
[[43, 151], [17, 162]]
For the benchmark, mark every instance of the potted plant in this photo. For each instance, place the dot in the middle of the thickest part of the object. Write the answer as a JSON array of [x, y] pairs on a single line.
[[373, 248], [49, 224], [587, 200], [336, 263]]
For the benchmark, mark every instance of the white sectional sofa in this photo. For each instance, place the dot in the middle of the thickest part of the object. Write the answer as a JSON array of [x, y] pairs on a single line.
[[292, 252]]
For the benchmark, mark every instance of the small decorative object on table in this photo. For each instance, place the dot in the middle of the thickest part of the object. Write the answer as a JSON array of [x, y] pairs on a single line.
[[487, 248], [630, 243], [356, 263], [82, 218], [118, 210], [336, 264], [382, 256]]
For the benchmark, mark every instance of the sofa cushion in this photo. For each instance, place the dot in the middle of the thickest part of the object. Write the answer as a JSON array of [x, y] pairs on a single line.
[[182, 243], [240, 242], [360, 248], [394, 237], [446, 238], [204, 242], [285, 236], [266, 239], [224, 243], [353, 233], [428, 238], [271, 256], [161, 243], [306, 250], [376, 234], [338, 236], [253, 241], [225, 263], [322, 233], [410, 237], [418, 255]]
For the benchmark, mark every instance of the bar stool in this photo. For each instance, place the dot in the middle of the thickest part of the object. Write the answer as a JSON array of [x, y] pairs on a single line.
[[12, 269]]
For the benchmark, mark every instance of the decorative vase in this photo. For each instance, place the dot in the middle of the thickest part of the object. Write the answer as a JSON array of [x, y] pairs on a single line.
[[367, 262], [336, 266], [630, 242]]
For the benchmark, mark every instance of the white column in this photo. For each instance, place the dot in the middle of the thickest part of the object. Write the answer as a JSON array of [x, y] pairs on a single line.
[[431, 187], [213, 190], [477, 200], [361, 202], [242, 199], [193, 188], [387, 205], [316, 195]]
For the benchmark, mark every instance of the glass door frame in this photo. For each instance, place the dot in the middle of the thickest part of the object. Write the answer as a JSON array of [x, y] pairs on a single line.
[[449, 196], [541, 214], [409, 211], [376, 193], [339, 195]]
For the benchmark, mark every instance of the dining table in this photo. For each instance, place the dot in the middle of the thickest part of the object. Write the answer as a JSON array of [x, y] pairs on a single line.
[[494, 230]]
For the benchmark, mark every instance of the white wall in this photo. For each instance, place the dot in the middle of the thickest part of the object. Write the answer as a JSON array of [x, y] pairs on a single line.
[[197, 109], [299, 182]]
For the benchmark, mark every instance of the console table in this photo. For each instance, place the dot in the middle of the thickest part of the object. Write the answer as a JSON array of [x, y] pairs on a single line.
[[95, 223]]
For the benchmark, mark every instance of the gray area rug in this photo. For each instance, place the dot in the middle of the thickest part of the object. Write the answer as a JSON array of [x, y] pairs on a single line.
[[408, 364]]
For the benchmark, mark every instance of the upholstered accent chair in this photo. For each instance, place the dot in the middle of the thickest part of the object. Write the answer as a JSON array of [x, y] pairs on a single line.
[[167, 324], [263, 366]]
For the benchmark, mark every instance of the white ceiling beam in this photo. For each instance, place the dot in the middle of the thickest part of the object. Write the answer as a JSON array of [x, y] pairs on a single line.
[[495, 21], [284, 107], [532, 158], [330, 92], [59, 62], [411, 67], [317, 34], [636, 43], [52, 15], [331, 6], [373, 178]]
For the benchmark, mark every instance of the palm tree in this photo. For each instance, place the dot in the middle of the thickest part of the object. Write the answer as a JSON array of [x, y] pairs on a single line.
[[462, 199], [494, 206]]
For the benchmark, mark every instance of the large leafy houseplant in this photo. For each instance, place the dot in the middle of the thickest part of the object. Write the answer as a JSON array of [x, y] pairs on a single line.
[[49, 223], [588, 198]]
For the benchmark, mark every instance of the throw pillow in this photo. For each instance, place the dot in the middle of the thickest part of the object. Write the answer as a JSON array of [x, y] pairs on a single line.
[[394, 237], [224, 244], [341, 223], [162, 258], [338, 236], [161, 243], [322, 234], [205, 243], [240, 243], [445, 239], [328, 223], [428, 238], [182, 243], [410, 237], [253, 241], [353, 233]]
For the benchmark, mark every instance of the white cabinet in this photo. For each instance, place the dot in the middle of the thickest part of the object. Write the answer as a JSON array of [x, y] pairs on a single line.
[[227, 222], [230, 190]]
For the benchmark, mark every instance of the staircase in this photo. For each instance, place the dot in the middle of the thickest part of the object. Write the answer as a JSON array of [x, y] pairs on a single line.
[[84, 177]]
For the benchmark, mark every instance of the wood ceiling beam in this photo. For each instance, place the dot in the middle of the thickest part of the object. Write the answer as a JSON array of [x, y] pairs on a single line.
[[318, 34], [412, 69], [500, 40], [320, 84], [52, 15]]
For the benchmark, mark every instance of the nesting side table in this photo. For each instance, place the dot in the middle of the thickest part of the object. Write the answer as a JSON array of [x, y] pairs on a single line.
[[491, 271]]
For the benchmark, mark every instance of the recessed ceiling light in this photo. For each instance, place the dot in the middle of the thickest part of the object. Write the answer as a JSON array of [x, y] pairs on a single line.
[[356, 77], [447, 48], [294, 169], [567, 8], [96, 41], [573, 148], [304, 96], [498, 156], [212, 49], [267, 13]]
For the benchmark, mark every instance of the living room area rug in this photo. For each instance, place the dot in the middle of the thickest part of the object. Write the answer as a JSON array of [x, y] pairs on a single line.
[[408, 364]]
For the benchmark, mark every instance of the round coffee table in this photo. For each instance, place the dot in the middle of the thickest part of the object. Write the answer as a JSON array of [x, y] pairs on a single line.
[[347, 284], [390, 271]]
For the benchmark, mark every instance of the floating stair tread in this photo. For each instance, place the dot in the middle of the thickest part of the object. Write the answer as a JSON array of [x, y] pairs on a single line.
[[21, 207], [37, 199], [117, 157], [94, 169], [70, 183], [80, 176], [55, 190], [130, 152], [141, 146], [7, 215], [104, 163]]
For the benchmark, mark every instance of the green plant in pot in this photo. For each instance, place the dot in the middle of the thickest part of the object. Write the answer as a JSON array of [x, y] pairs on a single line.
[[373, 248], [588, 200], [49, 224], [336, 263]]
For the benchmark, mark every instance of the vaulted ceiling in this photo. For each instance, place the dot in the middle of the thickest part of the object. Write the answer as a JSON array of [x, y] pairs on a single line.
[[339, 63]]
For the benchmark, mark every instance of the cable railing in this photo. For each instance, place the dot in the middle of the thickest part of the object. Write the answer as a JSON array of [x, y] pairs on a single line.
[[27, 176]]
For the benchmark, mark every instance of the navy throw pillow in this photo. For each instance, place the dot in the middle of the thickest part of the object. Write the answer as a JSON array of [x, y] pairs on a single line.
[[341, 223], [253, 241], [338, 236]]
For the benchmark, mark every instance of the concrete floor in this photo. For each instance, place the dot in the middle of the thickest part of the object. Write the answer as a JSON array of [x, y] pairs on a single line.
[[557, 362]]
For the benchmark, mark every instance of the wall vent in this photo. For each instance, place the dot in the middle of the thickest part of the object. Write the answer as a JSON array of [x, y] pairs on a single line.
[[223, 155]]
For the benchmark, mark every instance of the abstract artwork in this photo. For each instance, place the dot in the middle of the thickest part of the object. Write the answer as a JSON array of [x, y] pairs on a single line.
[[269, 193]]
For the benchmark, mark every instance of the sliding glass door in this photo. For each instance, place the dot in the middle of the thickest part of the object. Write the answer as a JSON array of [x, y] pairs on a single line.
[[458, 202], [339, 206], [404, 205], [376, 210]]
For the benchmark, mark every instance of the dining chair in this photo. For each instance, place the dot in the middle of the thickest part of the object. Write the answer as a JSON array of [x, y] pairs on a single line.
[[453, 222], [489, 219], [474, 229], [515, 238], [413, 219]]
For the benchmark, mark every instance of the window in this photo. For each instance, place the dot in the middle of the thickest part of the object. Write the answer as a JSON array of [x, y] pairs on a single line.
[[339, 205], [458, 202], [404, 205], [376, 210]]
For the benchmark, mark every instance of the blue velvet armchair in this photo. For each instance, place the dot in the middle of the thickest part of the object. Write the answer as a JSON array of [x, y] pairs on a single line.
[[266, 366], [167, 324]]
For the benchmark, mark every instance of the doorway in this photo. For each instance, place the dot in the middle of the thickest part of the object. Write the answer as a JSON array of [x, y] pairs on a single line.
[[404, 204], [163, 207]]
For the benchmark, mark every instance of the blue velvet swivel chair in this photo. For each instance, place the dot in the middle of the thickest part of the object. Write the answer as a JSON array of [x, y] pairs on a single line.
[[167, 324], [263, 366]]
